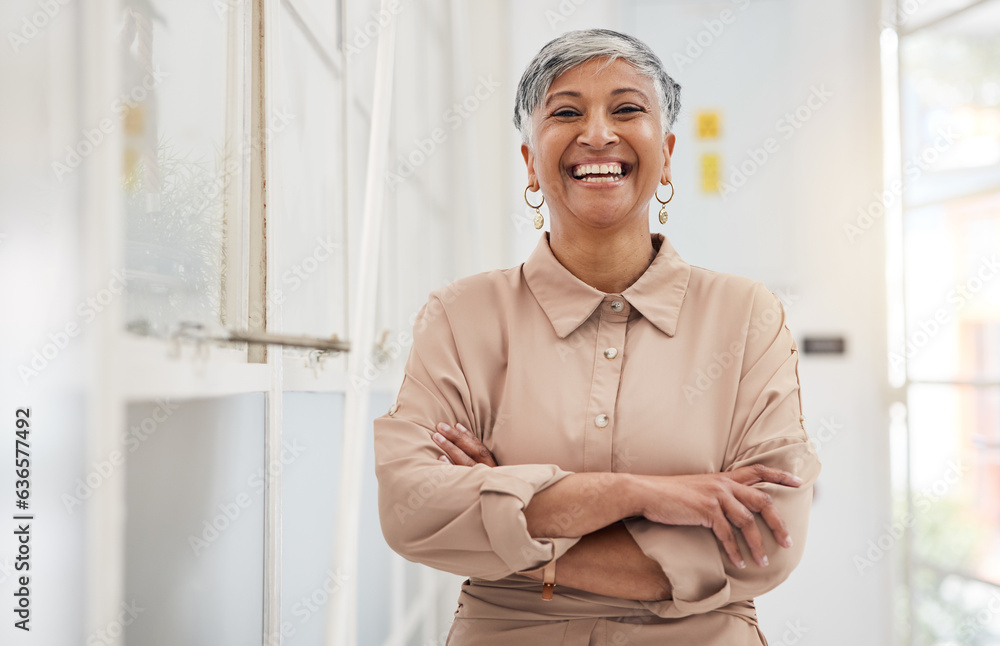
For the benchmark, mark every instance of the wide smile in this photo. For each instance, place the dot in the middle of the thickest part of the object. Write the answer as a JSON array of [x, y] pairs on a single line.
[[605, 174]]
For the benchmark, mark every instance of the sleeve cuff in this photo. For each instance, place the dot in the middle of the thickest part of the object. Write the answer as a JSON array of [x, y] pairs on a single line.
[[691, 563], [503, 497]]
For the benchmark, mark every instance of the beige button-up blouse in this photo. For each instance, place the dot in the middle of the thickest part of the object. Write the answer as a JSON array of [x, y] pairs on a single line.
[[686, 371]]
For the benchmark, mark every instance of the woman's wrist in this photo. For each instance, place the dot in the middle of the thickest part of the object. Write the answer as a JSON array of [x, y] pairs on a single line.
[[631, 492], [582, 503]]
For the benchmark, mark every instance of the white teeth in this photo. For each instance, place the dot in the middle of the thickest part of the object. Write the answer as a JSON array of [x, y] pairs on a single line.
[[613, 168]]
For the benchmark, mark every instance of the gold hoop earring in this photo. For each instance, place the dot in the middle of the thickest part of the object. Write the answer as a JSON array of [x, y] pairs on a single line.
[[663, 209], [539, 218]]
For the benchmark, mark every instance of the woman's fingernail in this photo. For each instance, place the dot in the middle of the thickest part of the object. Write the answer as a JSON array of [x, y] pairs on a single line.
[[797, 480], [743, 565], [444, 458], [438, 437], [765, 561], [460, 427], [444, 427], [788, 541]]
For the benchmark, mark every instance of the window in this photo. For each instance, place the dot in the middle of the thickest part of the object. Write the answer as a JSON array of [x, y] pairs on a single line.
[[183, 110], [946, 342], [232, 205], [225, 185]]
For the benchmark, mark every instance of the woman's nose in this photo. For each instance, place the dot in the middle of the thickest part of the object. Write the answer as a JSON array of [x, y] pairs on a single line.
[[597, 132]]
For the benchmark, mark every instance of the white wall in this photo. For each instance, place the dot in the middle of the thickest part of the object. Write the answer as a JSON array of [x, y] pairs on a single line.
[[41, 283]]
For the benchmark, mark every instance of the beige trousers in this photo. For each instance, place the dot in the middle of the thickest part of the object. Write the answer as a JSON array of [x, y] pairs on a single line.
[[711, 629]]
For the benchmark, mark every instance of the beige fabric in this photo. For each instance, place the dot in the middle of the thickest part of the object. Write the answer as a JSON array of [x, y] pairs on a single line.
[[703, 378], [708, 629]]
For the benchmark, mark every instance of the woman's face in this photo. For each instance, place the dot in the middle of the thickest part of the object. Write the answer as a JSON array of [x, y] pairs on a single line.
[[598, 148]]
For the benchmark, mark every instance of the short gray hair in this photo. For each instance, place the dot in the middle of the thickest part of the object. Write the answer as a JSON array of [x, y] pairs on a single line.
[[576, 47]]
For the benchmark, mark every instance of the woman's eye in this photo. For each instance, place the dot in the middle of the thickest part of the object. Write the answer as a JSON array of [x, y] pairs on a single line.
[[630, 108], [565, 113]]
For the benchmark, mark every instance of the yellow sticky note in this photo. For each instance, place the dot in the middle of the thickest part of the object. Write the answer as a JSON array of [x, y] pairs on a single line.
[[708, 123], [711, 165]]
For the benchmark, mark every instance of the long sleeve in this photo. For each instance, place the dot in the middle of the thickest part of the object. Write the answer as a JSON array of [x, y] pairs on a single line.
[[464, 520], [767, 428]]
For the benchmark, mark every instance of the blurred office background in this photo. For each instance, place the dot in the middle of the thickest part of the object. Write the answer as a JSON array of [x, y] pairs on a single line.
[[172, 173]]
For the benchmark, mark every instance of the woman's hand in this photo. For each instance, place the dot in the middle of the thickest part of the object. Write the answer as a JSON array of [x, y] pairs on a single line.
[[719, 501], [461, 447]]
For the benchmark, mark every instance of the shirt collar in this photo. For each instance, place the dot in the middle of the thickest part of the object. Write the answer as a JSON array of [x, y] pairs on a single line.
[[568, 301]]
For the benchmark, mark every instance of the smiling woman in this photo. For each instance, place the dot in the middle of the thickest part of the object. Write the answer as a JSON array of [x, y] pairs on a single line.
[[591, 106], [574, 410], [597, 151]]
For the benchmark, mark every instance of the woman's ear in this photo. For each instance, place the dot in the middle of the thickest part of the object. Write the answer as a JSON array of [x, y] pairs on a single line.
[[668, 149], [529, 162]]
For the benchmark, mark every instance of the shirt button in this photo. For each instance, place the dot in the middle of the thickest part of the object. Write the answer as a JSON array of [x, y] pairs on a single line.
[[392, 409], [601, 420], [611, 353], [617, 305]]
